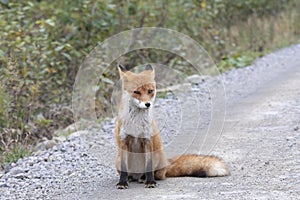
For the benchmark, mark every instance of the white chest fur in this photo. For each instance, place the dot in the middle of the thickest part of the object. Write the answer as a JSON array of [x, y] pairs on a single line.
[[136, 122]]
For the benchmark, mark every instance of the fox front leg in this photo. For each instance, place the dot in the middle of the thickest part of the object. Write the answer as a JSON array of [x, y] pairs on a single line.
[[123, 181], [123, 184], [150, 181]]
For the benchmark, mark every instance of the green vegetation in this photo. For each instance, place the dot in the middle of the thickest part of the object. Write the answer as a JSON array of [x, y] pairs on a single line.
[[42, 44], [15, 153]]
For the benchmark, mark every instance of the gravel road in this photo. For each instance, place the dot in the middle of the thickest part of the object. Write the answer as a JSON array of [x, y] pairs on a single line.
[[260, 141]]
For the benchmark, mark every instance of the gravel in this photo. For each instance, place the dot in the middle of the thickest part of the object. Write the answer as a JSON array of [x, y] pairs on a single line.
[[260, 141]]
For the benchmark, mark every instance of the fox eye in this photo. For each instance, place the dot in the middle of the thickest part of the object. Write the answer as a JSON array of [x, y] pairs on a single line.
[[136, 92], [150, 91]]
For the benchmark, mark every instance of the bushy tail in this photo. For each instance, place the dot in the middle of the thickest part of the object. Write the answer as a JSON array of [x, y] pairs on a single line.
[[197, 166]]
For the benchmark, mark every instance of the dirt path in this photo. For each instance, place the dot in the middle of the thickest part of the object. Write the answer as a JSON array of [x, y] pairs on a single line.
[[260, 141]]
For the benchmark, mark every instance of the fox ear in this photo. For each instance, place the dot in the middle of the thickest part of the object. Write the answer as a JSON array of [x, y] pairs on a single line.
[[122, 68], [149, 67]]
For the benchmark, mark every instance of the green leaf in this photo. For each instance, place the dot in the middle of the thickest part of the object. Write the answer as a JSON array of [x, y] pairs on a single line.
[[59, 48], [50, 22], [67, 56]]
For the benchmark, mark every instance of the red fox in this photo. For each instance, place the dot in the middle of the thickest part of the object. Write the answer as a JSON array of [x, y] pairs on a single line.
[[140, 154]]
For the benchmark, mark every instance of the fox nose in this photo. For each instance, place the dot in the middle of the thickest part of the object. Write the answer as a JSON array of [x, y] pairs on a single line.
[[147, 105]]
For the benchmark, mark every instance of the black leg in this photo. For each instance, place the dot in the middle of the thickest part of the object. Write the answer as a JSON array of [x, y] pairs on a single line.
[[123, 184], [150, 181]]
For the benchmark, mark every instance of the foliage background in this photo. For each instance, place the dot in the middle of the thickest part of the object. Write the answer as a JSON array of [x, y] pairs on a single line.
[[42, 44]]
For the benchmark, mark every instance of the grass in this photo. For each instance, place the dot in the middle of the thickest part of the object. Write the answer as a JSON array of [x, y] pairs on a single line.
[[258, 36], [14, 154]]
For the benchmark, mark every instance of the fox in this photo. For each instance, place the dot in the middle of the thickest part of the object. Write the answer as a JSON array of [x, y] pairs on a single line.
[[140, 156]]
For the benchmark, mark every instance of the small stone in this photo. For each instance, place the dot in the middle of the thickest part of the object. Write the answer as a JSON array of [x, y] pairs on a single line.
[[4, 185], [84, 155], [55, 148], [20, 176], [17, 170], [63, 149], [32, 161], [20, 161], [69, 172], [48, 144], [39, 186], [267, 163], [77, 134], [37, 176], [72, 145], [196, 79], [296, 128], [60, 139], [290, 138], [40, 159]]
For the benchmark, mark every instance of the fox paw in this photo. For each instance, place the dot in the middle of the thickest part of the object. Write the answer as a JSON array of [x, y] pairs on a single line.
[[122, 185], [150, 184], [142, 179]]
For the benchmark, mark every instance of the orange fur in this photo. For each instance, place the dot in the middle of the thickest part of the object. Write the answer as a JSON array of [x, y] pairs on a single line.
[[139, 143]]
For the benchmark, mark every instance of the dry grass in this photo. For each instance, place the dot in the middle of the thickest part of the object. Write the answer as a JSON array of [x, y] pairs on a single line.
[[259, 36], [270, 32]]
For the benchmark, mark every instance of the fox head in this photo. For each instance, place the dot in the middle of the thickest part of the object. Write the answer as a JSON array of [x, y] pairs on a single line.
[[139, 89]]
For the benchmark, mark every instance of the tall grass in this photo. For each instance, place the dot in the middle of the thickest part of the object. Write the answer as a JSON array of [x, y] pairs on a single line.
[[257, 36]]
